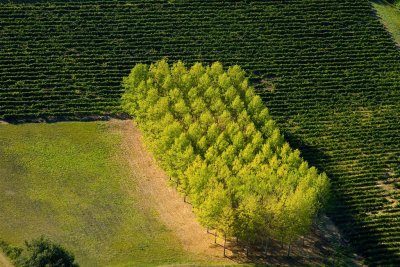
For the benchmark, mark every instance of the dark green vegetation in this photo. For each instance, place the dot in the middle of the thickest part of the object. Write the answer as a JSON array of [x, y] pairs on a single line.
[[39, 252], [334, 68], [12, 252], [216, 140], [42, 252], [396, 3], [69, 182]]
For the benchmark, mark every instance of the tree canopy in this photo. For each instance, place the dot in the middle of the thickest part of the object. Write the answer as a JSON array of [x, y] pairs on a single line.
[[215, 138]]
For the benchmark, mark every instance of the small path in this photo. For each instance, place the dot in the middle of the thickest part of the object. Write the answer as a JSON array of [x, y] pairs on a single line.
[[154, 190], [4, 261]]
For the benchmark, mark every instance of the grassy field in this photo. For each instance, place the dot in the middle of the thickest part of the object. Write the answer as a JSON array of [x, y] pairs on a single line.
[[67, 181], [390, 16]]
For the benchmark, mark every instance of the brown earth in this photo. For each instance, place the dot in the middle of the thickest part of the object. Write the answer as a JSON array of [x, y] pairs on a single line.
[[4, 261]]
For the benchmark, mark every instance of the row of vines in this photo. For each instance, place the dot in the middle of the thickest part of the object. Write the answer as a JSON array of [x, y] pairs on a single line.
[[328, 71]]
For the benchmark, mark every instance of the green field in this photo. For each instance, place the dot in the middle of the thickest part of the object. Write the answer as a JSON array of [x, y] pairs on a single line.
[[68, 181], [328, 71]]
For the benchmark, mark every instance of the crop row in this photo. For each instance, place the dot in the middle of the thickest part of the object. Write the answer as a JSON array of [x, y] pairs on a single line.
[[327, 70]]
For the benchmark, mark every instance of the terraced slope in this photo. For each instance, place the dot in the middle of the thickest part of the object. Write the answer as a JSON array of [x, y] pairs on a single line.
[[335, 74]]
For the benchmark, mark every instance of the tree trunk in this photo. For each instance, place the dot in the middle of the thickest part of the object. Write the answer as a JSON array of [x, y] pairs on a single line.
[[215, 237], [184, 199], [266, 247], [262, 242], [224, 245], [288, 252]]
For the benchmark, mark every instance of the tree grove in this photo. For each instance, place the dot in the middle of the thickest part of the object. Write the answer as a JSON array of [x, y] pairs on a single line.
[[214, 137]]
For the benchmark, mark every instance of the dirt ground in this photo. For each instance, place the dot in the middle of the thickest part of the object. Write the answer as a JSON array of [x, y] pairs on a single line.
[[324, 245], [4, 261]]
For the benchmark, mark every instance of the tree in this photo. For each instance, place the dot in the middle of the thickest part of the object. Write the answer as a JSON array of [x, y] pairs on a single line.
[[213, 132], [213, 135], [206, 118], [198, 106], [224, 81], [198, 179], [216, 210], [224, 118], [197, 70], [230, 94], [44, 253], [236, 74], [161, 73], [237, 105], [181, 108], [195, 131], [255, 106], [211, 93], [216, 69], [217, 106]]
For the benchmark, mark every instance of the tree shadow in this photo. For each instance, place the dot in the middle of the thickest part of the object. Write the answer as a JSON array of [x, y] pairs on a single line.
[[358, 233], [61, 118]]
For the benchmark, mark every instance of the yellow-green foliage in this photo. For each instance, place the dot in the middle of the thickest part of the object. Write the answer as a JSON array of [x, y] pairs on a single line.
[[215, 138]]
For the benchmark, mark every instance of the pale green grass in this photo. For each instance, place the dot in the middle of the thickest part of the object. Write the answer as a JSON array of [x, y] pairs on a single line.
[[68, 182], [390, 17]]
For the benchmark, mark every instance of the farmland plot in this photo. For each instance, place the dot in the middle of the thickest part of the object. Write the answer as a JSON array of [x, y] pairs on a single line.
[[328, 71]]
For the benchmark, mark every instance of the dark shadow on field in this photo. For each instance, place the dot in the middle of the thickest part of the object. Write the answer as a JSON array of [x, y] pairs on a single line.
[[342, 213], [314, 155], [383, 2], [61, 118], [323, 246]]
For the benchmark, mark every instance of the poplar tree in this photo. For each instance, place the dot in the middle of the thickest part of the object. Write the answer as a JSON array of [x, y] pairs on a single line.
[[215, 138]]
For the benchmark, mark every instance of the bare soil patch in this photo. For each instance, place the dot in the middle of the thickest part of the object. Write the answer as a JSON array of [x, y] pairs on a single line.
[[4, 261]]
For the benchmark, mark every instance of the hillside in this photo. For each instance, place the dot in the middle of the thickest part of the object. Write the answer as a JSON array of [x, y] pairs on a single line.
[[328, 71], [75, 183]]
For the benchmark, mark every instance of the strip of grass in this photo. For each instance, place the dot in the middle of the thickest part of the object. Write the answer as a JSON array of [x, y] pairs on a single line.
[[68, 182], [390, 17]]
